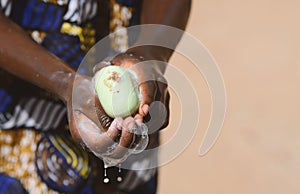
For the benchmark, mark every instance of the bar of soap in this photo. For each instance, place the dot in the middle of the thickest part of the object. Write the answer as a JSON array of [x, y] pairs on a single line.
[[118, 91]]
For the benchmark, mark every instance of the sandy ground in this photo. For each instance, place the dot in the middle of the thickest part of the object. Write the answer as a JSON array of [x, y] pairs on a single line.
[[256, 45]]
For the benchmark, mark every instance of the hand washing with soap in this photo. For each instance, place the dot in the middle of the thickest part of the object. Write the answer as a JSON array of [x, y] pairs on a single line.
[[119, 95]]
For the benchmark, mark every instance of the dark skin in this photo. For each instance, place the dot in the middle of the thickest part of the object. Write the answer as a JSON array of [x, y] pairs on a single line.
[[20, 56]]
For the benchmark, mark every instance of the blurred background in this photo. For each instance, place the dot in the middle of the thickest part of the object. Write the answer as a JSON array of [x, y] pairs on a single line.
[[256, 44]]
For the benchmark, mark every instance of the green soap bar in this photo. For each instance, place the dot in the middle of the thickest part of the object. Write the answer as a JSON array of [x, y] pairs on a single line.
[[117, 90]]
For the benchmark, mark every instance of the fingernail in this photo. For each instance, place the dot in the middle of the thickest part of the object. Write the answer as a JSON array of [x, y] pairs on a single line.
[[119, 122], [145, 109], [131, 125], [112, 126], [128, 123]]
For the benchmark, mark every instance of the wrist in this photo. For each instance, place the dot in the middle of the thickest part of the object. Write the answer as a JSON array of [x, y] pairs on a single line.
[[64, 84]]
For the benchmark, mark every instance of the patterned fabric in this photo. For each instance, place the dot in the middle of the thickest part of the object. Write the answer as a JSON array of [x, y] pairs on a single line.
[[121, 15], [9, 185], [17, 155], [61, 164], [45, 114], [67, 28], [44, 163], [47, 23], [5, 100], [5, 6], [41, 155]]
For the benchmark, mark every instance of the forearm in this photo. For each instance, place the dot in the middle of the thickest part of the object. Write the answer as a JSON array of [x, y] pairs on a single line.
[[26, 59], [174, 13]]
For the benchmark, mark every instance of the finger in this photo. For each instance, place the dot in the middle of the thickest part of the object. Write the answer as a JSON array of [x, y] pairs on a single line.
[[103, 118], [95, 139], [114, 131], [159, 110], [125, 60], [117, 60], [162, 88], [138, 118], [127, 139], [104, 63], [127, 135], [148, 92]]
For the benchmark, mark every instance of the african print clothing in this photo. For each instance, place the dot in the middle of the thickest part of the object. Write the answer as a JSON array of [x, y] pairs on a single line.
[[37, 153], [67, 28], [47, 163]]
